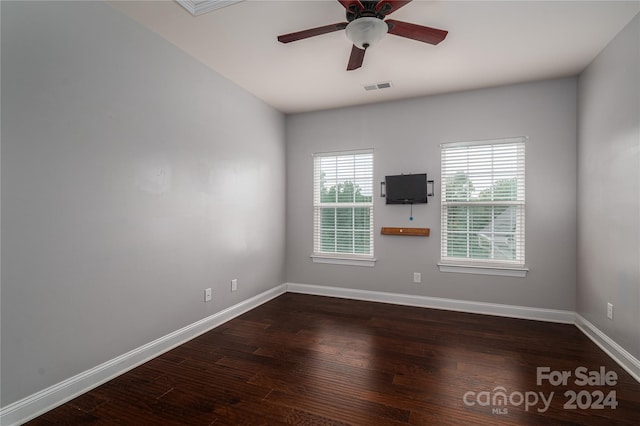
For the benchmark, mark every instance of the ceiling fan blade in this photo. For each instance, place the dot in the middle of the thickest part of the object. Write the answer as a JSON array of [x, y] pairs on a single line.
[[356, 58], [416, 32], [288, 38], [347, 4], [389, 6]]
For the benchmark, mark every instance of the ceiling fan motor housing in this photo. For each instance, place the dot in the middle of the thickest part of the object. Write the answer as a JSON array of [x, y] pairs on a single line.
[[369, 11]]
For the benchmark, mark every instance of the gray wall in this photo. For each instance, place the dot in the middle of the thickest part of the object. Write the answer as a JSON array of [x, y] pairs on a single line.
[[132, 178], [406, 137], [609, 189]]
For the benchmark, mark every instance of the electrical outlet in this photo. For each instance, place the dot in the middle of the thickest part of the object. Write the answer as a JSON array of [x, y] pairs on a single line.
[[610, 311], [417, 277], [234, 284], [207, 294]]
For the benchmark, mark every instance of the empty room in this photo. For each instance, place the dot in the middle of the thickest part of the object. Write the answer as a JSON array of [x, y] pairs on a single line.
[[332, 212]]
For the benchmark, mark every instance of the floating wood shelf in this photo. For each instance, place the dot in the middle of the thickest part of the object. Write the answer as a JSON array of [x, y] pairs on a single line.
[[416, 232]]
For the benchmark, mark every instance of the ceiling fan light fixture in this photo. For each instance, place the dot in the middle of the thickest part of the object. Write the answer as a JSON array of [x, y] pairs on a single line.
[[365, 32]]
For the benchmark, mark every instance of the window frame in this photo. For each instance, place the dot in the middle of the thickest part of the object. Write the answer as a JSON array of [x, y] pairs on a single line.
[[337, 257], [478, 265]]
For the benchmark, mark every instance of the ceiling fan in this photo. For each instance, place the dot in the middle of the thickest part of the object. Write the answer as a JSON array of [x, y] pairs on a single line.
[[366, 25]]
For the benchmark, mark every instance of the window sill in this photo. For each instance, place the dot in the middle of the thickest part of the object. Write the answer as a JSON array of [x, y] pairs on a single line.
[[501, 271], [344, 260]]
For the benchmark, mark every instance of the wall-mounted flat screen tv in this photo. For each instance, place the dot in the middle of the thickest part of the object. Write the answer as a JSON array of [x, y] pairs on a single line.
[[406, 189]]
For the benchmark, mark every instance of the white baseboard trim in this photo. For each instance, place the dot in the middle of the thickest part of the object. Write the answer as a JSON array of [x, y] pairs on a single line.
[[34, 405], [511, 311], [619, 354]]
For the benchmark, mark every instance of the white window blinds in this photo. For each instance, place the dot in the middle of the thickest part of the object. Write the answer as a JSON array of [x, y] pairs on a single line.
[[483, 202], [343, 204]]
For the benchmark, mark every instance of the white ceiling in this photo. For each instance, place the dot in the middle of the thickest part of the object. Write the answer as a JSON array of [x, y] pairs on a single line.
[[489, 44]]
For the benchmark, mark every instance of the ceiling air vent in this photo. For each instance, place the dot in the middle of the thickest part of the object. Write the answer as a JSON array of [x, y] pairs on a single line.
[[377, 86], [198, 7]]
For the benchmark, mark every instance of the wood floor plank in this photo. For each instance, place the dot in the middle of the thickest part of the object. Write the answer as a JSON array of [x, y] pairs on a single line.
[[302, 359]]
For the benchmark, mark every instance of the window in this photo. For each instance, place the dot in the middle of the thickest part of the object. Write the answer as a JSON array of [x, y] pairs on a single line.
[[343, 208], [483, 204]]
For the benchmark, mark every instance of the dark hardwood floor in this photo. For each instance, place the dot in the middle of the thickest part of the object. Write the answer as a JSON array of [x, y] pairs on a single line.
[[313, 360]]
